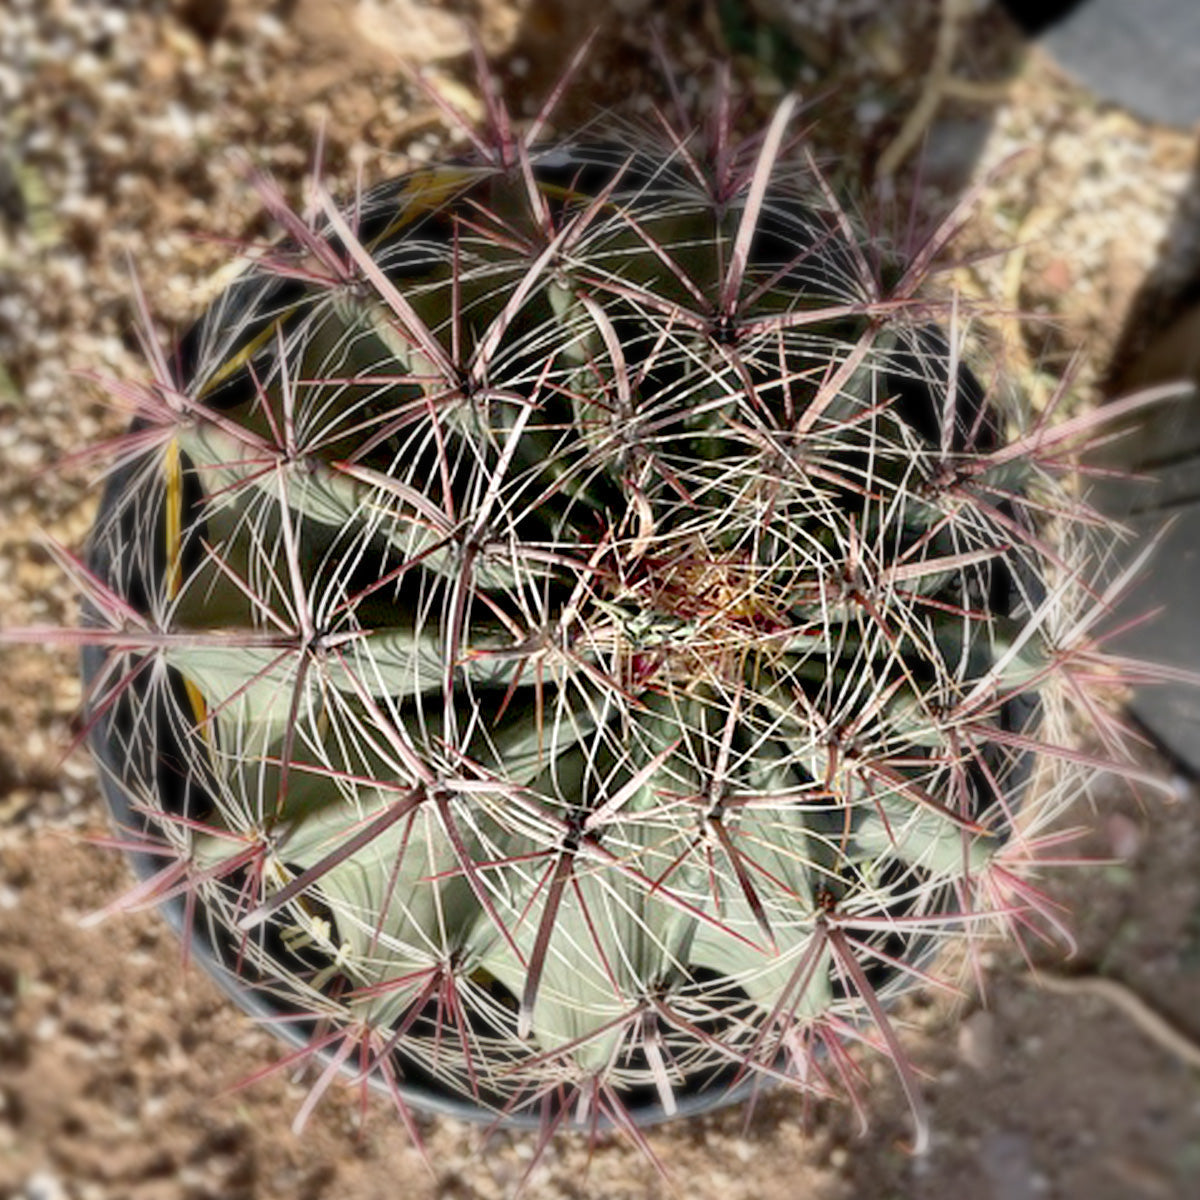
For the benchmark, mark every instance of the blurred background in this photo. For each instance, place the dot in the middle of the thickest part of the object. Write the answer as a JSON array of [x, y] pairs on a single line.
[[121, 127]]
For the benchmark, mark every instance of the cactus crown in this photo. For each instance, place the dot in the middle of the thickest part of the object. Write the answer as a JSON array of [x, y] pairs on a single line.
[[582, 634]]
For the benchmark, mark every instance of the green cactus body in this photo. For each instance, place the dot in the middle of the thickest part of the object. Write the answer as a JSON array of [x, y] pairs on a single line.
[[590, 643]]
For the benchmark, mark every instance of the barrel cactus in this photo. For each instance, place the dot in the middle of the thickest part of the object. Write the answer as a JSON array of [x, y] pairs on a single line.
[[574, 635]]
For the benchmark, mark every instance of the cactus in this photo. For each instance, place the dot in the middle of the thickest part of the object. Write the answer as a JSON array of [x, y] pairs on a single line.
[[573, 631]]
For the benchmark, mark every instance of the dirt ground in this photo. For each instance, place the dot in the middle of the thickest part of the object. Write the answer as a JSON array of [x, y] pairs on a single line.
[[122, 131]]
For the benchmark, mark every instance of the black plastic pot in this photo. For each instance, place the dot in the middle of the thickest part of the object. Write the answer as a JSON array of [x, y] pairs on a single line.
[[128, 550]]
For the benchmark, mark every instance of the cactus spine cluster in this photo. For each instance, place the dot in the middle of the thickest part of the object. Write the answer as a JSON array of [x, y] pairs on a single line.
[[578, 634]]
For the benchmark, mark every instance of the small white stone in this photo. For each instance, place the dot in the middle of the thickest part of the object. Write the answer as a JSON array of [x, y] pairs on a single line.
[[42, 1185], [977, 1040]]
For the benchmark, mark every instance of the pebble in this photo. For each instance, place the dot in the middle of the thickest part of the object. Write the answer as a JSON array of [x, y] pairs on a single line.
[[1006, 1162], [42, 1185], [1124, 835], [46, 1028], [977, 1039]]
